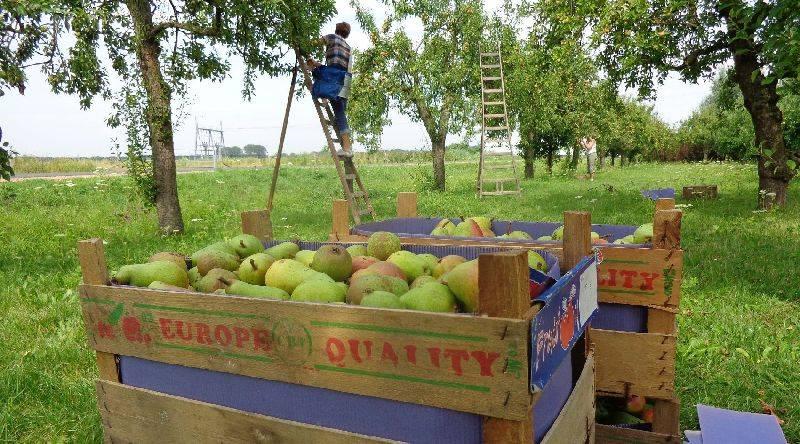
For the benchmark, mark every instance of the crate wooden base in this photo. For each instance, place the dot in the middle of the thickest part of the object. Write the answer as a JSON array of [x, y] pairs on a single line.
[[132, 414], [640, 363], [137, 415], [605, 434]]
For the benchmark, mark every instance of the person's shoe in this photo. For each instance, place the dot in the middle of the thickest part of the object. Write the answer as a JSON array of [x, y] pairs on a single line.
[[347, 142]]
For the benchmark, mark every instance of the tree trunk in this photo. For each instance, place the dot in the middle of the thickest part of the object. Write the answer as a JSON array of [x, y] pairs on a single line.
[[573, 163], [612, 159], [761, 101], [527, 154], [550, 161], [158, 115], [438, 162]]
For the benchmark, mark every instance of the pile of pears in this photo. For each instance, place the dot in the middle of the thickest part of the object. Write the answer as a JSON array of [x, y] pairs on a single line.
[[379, 274], [482, 227]]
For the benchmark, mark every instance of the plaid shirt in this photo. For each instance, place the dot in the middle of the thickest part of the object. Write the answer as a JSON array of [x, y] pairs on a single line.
[[337, 51]]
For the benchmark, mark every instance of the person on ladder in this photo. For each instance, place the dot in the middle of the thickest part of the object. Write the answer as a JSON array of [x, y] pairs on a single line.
[[337, 59]]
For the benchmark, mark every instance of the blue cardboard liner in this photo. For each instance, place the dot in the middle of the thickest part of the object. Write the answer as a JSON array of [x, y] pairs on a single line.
[[345, 411]]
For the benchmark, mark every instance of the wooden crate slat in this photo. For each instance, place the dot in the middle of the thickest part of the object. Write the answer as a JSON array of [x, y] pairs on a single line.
[[138, 415], [639, 363], [605, 434], [640, 276], [443, 360], [575, 424]]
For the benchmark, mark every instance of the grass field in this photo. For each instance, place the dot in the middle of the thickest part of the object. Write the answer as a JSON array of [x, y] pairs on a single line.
[[739, 340]]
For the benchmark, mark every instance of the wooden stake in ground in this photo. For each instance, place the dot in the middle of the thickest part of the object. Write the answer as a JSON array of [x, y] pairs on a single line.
[[278, 155]]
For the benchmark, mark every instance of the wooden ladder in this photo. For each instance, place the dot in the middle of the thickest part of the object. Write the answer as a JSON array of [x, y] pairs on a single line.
[[500, 169], [358, 199]]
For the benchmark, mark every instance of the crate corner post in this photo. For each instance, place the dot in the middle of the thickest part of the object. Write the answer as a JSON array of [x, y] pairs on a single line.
[[257, 223], [92, 258], [340, 215], [667, 229], [504, 292], [406, 204], [577, 237]]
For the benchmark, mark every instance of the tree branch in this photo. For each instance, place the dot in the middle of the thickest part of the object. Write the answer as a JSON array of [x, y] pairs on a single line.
[[691, 59], [213, 31]]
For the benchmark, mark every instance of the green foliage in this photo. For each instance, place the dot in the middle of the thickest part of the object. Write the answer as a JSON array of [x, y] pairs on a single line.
[[254, 150], [6, 154], [25, 27], [638, 43], [433, 80], [232, 151], [721, 128]]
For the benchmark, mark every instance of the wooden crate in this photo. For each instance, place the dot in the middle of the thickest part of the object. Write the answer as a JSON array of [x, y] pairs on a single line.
[[700, 192], [648, 277], [475, 364]]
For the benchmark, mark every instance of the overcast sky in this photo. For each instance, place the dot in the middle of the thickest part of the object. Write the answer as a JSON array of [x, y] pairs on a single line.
[[45, 124]]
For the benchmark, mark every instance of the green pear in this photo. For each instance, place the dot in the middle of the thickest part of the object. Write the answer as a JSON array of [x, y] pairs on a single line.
[[381, 299], [465, 229], [305, 257], [446, 264], [246, 245], [333, 260], [422, 280], [254, 267], [142, 275], [462, 280], [214, 280], [544, 238], [284, 250], [518, 235], [643, 234], [429, 297], [193, 275], [372, 283], [484, 222], [158, 285], [241, 288], [536, 261], [218, 246], [178, 258], [558, 233], [439, 232], [382, 244], [318, 290], [412, 265], [381, 267], [287, 274], [444, 227], [357, 250], [211, 259], [430, 259]]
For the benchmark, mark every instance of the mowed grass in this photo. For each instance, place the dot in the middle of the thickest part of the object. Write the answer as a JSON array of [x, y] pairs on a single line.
[[739, 337]]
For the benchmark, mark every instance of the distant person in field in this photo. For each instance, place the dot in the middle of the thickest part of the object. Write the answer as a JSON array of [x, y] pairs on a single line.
[[589, 145], [337, 56]]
